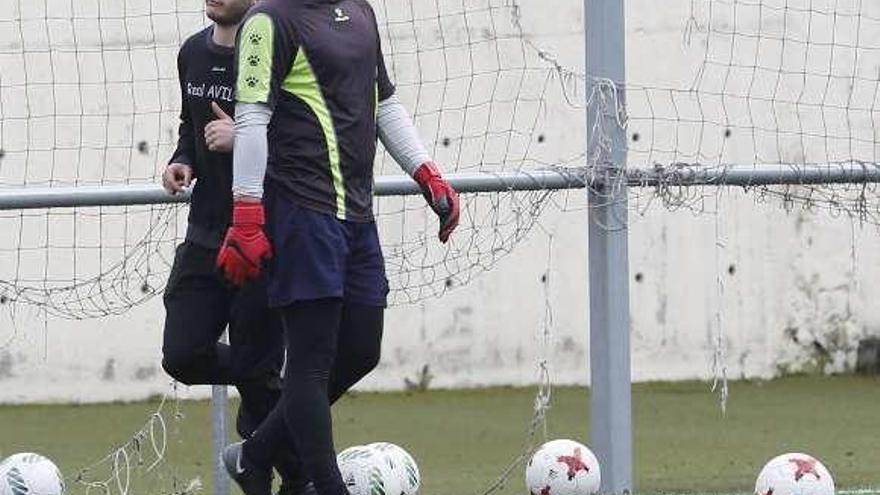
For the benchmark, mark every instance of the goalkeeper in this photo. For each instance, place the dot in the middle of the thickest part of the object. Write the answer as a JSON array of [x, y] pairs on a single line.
[[199, 303], [312, 95]]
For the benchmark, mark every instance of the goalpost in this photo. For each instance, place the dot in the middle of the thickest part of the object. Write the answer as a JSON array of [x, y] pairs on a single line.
[[92, 85]]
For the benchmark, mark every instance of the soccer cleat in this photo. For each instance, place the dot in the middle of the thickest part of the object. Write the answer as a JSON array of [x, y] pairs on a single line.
[[251, 479]]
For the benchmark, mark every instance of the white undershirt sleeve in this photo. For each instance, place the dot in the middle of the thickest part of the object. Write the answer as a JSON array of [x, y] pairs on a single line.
[[400, 136], [251, 149]]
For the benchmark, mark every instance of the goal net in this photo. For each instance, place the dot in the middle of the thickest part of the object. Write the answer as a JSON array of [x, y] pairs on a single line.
[[762, 85], [89, 96]]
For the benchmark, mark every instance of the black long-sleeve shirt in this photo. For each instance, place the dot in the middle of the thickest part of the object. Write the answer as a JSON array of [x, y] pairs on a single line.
[[207, 74]]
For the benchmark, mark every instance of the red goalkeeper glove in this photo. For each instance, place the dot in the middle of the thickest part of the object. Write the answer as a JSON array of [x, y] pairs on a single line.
[[441, 196], [245, 247]]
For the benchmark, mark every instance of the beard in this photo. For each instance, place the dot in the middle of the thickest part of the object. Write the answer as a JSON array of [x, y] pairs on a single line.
[[234, 13]]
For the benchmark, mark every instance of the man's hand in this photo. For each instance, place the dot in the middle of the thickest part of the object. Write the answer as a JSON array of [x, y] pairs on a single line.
[[177, 177], [220, 133], [246, 247], [441, 196]]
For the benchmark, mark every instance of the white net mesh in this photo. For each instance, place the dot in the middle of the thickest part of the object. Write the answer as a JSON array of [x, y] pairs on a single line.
[[141, 464], [787, 83]]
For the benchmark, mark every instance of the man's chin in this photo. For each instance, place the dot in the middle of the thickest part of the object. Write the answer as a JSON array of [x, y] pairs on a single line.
[[222, 20], [219, 19]]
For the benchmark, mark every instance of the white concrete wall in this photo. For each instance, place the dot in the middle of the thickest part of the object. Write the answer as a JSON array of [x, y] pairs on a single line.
[[747, 270]]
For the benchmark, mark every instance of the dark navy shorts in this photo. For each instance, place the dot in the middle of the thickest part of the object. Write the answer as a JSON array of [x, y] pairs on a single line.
[[317, 256]]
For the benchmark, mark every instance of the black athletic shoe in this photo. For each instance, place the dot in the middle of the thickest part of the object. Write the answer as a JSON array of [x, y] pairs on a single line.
[[252, 480], [288, 489]]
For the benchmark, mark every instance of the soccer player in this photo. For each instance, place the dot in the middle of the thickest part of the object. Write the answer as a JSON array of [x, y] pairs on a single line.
[[312, 95], [199, 303]]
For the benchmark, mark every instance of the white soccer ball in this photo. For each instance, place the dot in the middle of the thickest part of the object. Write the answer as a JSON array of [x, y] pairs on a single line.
[[403, 465], [366, 471], [794, 474], [563, 467], [350, 450], [30, 474]]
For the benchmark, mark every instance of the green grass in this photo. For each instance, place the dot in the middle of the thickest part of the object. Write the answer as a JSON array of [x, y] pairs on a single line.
[[462, 439]]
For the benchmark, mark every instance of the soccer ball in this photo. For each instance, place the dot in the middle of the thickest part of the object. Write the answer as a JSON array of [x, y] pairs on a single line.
[[30, 474], [563, 467], [366, 471], [349, 451], [794, 474], [403, 465]]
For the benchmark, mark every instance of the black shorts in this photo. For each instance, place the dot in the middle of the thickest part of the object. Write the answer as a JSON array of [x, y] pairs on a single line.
[[317, 256], [200, 305]]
